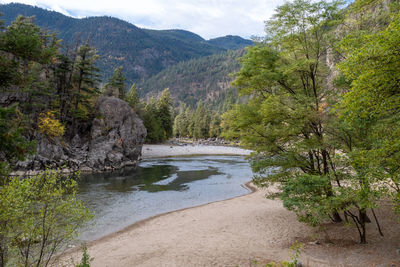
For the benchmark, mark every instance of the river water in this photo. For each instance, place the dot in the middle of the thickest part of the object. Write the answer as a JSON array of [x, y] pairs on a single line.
[[157, 186]]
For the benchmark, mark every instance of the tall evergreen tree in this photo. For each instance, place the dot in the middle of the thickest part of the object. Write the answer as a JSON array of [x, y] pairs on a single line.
[[85, 84], [132, 97], [152, 122], [181, 122], [201, 121], [30, 52], [164, 112], [117, 83]]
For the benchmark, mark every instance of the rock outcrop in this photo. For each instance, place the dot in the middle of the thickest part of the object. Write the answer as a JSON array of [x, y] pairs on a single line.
[[115, 141], [116, 136]]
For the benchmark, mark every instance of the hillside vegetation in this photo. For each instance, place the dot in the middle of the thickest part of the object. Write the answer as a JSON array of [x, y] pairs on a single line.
[[140, 52], [230, 42], [207, 79]]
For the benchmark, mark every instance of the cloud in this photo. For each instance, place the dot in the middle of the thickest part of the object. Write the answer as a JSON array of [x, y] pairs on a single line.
[[208, 18]]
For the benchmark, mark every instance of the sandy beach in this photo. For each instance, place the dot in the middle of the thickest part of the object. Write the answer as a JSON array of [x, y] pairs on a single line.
[[153, 151], [236, 232]]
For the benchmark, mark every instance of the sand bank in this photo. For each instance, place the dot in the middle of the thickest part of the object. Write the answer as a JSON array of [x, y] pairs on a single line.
[[238, 231], [155, 151]]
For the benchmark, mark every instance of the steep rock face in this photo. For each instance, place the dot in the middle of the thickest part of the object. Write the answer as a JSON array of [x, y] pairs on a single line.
[[116, 137], [115, 141]]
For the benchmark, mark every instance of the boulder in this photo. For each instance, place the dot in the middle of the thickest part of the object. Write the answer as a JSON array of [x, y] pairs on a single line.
[[117, 135], [115, 140]]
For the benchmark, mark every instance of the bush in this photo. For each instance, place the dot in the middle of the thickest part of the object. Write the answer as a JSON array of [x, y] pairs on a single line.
[[49, 125], [38, 216]]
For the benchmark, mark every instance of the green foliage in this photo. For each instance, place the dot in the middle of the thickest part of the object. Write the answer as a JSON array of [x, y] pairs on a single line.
[[230, 42], [164, 113], [330, 149], [86, 80], [25, 40], [27, 53], [38, 216], [85, 261], [181, 122], [13, 146], [141, 52], [201, 121], [157, 118], [286, 118], [370, 108], [207, 78], [197, 123], [215, 126], [34, 74], [294, 262], [132, 97], [152, 122], [116, 84]]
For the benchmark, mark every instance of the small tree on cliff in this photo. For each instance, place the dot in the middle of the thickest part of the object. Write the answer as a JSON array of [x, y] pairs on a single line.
[[117, 83], [132, 97], [86, 78]]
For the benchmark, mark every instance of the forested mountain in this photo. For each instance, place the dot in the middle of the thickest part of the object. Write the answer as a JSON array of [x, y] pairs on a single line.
[[230, 42], [141, 52], [207, 78]]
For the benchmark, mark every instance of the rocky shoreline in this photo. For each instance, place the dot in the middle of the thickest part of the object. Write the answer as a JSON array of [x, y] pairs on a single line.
[[170, 150], [114, 141], [207, 142]]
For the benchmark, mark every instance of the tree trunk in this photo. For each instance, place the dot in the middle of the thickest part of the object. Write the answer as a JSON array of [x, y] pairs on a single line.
[[363, 233], [336, 217]]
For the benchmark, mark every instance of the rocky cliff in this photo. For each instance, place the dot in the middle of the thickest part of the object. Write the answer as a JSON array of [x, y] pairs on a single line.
[[115, 141]]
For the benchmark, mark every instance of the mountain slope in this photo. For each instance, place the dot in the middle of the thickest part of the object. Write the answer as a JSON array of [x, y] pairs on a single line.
[[206, 78], [230, 42], [141, 52]]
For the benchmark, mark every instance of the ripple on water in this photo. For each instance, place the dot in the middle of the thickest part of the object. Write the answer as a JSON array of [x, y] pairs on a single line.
[[157, 186]]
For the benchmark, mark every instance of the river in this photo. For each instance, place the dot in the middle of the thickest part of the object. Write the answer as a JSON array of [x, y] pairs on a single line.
[[157, 186]]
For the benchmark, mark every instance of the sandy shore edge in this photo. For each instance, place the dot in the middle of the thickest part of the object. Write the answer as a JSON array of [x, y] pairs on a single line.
[[164, 150], [249, 186], [234, 232]]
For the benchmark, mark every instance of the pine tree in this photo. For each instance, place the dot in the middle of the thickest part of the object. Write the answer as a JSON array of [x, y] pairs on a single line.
[[201, 121], [29, 53], [152, 122], [132, 97], [164, 112], [181, 122], [116, 84], [85, 84]]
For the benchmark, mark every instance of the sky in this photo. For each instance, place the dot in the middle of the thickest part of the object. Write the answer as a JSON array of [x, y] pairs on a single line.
[[208, 18]]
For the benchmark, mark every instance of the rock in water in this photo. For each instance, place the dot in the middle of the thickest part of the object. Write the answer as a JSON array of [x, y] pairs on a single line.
[[116, 137], [115, 141]]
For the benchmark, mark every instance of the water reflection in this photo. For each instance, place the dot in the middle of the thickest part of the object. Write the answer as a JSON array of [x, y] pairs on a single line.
[[151, 179], [156, 186]]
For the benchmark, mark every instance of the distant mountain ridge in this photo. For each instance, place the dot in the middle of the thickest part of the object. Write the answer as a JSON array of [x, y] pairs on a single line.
[[141, 52], [207, 78], [230, 42]]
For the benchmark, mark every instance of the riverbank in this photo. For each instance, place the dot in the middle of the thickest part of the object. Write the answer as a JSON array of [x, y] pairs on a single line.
[[237, 231], [163, 150]]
